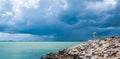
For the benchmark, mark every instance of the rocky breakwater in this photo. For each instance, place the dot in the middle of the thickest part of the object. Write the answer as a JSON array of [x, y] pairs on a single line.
[[104, 48]]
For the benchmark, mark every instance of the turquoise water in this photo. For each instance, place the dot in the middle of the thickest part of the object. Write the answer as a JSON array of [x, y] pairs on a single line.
[[30, 50]]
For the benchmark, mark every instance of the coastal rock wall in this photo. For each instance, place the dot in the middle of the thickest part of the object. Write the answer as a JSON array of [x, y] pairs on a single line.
[[104, 48]]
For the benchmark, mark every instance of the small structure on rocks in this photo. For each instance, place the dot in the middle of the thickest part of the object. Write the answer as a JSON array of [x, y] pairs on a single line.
[[94, 35]]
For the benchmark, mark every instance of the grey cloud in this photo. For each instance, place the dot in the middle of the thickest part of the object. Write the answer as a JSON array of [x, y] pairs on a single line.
[[73, 23]]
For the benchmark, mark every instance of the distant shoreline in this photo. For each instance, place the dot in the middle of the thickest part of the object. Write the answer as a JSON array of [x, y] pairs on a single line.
[[42, 41]]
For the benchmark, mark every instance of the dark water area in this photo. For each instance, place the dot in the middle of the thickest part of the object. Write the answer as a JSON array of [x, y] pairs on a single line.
[[31, 50]]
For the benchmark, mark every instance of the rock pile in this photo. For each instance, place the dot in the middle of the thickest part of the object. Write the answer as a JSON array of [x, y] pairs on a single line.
[[105, 48]]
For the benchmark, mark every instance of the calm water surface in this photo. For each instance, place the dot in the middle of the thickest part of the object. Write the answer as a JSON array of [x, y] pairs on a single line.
[[30, 50]]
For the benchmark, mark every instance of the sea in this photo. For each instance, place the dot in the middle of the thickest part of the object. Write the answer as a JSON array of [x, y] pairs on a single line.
[[31, 50]]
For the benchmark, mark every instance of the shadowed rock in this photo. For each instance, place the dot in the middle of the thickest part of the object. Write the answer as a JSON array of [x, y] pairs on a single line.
[[104, 48]]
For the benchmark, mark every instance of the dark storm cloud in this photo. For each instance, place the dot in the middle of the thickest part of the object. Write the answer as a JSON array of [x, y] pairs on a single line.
[[66, 20]]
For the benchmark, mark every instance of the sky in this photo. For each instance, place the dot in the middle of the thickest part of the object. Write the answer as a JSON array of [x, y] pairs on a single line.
[[58, 20]]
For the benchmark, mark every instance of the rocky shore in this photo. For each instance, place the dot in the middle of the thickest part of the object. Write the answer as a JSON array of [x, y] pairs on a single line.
[[104, 48]]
